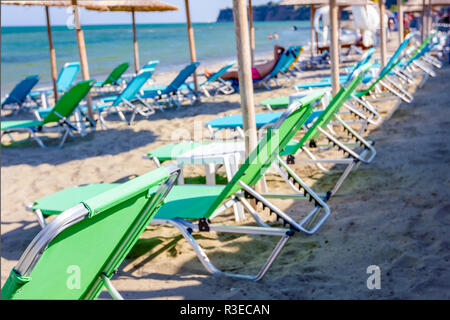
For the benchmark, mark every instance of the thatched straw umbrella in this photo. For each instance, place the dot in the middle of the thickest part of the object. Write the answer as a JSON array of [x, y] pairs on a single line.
[[129, 6], [46, 4]]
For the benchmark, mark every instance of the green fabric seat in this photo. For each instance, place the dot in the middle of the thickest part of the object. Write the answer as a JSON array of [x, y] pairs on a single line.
[[277, 102], [189, 202], [172, 151], [185, 202], [291, 148]]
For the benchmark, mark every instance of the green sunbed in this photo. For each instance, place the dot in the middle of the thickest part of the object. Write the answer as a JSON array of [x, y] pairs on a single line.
[[351, 158], [56, 120], [201, 203], [174, 151], [76, 254], [114, 77]]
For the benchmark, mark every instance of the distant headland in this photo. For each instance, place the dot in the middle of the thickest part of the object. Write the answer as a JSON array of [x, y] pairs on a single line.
[[270, 12], [273, 12]]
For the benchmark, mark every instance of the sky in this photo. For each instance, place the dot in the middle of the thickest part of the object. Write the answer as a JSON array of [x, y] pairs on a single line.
[[201, 11]]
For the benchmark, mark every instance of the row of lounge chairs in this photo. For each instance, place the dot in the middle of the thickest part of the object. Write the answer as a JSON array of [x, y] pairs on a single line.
[[113, 216], [119, 94]]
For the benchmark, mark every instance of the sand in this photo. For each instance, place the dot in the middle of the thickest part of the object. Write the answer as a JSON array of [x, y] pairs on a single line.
[[394, 213]]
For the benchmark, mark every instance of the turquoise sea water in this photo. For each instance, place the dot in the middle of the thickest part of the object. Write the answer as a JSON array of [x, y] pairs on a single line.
[[24, 50]]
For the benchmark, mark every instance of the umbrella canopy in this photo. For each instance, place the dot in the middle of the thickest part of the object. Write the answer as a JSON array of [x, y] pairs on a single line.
[[419, 3], [48, 3], [130, 6], [440, 2], [339, 3], [104, 5], [79, 33]]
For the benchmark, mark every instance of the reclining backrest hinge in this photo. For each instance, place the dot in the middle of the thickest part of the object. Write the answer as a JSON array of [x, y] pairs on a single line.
[[203, 224]]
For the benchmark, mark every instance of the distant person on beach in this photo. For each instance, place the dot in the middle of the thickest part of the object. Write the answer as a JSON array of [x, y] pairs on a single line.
[[270, 36], [275, 36], [258, 71]]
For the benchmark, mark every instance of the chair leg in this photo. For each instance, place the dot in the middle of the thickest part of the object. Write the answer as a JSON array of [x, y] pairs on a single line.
[[402, 95], [121, 115], [38, 140], [40, 218], [64, 138], [186, 228], [109, 286]]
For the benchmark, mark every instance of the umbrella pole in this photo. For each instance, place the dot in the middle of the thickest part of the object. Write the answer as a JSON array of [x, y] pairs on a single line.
[[135, 43], [190, 31], [52, 54], [382, 33], [312, 34], [430, 18], [82, 52], [422, 27], [252, 30], [400, 21], [245, 74], [334, 46]]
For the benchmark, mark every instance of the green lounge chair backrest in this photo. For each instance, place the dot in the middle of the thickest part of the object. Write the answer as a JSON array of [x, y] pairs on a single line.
[[269, 147], [94, 244], [69, 101], [115, 75], [335, 104]]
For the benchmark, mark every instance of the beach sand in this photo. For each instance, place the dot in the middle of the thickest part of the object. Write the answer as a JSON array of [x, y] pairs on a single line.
[[393, 213]]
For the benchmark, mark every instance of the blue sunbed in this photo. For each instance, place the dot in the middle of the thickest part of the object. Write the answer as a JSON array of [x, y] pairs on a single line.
[[326, 82], [126, 98], [216, 83], [172, 91], [262, 119], [281, 66], [65, 80], [19, 93]]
